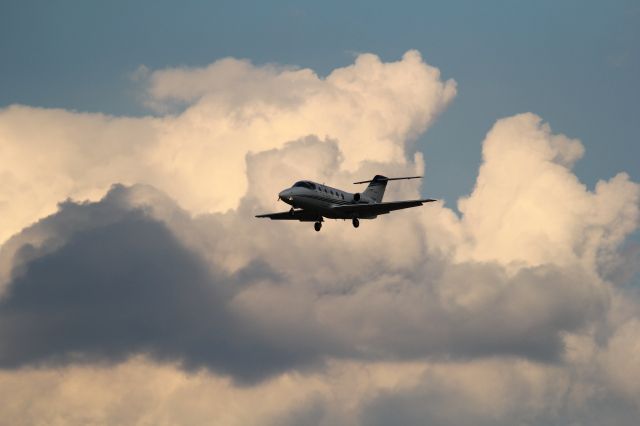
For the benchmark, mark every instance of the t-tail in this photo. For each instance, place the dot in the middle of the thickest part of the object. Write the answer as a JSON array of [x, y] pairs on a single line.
[[377, 185]]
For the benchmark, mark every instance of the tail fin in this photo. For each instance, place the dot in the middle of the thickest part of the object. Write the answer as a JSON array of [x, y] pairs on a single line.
[[375, 190], [378, 184]]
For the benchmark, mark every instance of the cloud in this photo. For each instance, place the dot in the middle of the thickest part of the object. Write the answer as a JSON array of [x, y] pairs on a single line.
[[371, 109], [122, 284], [512, 310], [528, 207], [498, 391], [139, 391], [385, 307]]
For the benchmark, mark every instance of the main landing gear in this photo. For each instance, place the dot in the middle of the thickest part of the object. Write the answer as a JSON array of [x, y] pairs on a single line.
[[318, 225]]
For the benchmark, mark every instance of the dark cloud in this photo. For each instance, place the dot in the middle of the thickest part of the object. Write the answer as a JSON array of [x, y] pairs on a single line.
[[524, 315], [110, 280], [129, 286]]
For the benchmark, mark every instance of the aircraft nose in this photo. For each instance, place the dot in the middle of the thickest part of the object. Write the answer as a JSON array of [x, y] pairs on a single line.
[[284, 195]]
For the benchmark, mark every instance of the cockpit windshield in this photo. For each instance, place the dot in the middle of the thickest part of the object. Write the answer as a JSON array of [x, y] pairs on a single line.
[[304, 184]]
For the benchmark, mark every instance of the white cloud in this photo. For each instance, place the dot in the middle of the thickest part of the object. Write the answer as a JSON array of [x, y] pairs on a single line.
[[529, 208], [371, 109]]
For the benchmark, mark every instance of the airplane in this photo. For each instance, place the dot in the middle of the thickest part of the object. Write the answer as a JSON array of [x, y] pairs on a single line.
[[312, 202]]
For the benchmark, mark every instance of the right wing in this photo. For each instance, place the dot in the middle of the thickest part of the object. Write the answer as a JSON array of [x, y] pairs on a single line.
[[301, 215]]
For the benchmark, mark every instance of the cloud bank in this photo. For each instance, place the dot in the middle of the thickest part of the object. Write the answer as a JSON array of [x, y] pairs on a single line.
[[198, 155], [514, 311]]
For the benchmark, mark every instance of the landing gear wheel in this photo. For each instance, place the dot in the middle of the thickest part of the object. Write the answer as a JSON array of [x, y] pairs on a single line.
[[317, 226], [355, 222], [291, 211]]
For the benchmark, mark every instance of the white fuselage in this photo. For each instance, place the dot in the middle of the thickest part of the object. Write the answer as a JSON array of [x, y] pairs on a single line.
[[320, 198]]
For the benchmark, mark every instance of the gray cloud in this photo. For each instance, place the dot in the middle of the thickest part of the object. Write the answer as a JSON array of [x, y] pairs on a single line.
[[112, 280], [524, 315], [129, 286], [436, 401]]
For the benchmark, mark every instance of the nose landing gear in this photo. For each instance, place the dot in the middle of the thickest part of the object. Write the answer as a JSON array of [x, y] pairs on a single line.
[[355, 222], [317, 226]]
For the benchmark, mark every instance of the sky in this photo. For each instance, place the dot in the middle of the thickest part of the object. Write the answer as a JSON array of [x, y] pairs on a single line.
[[572, 62], [138, 140]]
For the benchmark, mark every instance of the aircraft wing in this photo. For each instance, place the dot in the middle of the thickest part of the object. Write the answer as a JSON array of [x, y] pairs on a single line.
[[301, 215], [364, 210]]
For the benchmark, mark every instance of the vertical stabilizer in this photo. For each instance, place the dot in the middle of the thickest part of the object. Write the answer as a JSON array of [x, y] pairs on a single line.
[[375, 190]]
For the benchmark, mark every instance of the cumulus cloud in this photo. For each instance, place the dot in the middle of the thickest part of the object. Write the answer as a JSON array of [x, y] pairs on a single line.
[[121, 284], [111, 281], [528, 207], [371, 109], [384, 307], [499, 392], [171, 275]]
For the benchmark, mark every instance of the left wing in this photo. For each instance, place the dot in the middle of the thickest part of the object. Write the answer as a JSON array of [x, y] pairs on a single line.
[[364, 210], [301, 215]]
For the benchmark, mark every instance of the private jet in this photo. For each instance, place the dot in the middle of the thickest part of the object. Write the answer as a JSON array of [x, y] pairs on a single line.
[[312, 202]]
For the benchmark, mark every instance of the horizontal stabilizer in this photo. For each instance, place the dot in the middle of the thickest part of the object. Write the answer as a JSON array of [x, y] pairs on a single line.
[[379, 178]]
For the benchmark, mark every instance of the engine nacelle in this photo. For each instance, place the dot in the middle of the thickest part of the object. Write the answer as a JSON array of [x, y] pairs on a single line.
[[356, 197]]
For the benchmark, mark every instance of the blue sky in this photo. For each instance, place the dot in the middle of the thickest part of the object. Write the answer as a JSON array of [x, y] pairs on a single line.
[[574, 63]]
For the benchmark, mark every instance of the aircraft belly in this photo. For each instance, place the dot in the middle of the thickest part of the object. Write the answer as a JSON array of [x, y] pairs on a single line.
[[321, 207], [329, 208], [310, 204]]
